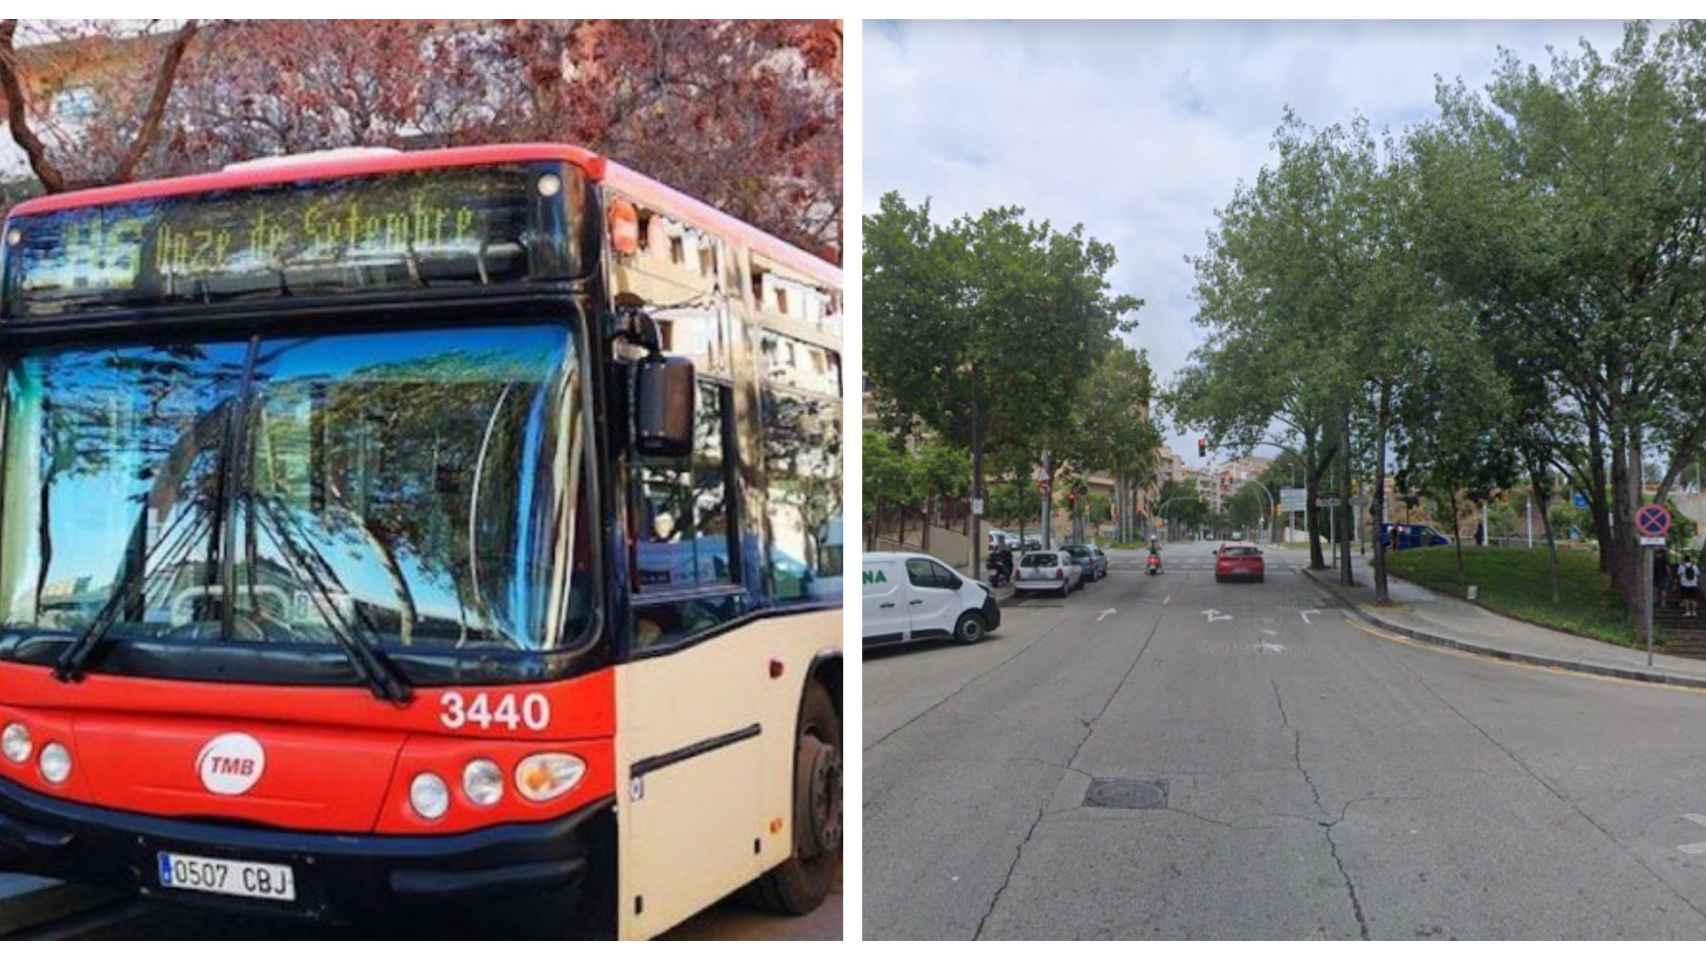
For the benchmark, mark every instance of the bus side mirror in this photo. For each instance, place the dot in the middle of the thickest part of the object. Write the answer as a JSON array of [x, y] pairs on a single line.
[[663, 407]]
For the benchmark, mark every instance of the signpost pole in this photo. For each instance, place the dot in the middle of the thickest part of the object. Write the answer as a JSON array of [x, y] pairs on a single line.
[[1647, 587], [1333, 533], [1652, 524]]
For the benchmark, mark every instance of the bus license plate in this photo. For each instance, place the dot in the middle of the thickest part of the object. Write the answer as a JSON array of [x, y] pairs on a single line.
[[234, 878]]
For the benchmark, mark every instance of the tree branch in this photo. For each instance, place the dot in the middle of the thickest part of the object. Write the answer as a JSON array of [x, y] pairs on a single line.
[[163, 80], [52, 180]]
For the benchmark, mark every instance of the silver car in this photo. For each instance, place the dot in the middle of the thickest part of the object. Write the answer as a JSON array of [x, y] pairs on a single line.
[[1091, 558], [1048, 571]]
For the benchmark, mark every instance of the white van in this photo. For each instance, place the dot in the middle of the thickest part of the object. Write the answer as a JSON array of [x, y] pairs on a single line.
[[914, 596]]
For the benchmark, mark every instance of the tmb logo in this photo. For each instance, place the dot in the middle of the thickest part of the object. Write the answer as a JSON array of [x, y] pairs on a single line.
[[231, 763]]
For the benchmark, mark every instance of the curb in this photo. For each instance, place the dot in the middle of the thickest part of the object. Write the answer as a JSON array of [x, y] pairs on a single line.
[[37, 901], [1495, 653]]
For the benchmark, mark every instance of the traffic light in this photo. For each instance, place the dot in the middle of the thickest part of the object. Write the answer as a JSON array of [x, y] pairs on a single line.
[[1202, 447]]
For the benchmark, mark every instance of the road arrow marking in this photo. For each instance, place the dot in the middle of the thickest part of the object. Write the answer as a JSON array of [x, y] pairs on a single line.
[[1270, 633], [1105, 614], [1272, 647], [1693, 848], [1214, 615], [1305, 615], [1168, 600]]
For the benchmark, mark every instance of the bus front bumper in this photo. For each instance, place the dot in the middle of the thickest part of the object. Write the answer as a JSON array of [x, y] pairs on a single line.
[[337, 877]]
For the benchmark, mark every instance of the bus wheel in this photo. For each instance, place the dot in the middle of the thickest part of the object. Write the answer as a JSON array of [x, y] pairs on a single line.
[[800, 884]]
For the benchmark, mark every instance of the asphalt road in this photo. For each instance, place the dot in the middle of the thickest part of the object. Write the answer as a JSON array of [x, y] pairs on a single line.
[[137, 920], [132, 918], [1320, 781]]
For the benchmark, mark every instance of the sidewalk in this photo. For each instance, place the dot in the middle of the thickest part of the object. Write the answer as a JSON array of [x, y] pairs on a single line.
[[1421, 614]]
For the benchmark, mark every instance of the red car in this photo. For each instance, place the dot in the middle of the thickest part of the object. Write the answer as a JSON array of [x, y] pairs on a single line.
[[1242, 561]]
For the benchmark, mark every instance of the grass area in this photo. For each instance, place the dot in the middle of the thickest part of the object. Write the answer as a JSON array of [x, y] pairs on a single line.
[[1514, 581]]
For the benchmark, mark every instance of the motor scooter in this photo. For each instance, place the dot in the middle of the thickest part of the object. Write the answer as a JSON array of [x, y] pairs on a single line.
[[1000, 570], [1154, 564]]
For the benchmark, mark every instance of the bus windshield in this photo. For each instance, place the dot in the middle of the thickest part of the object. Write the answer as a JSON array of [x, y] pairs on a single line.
[[409, 489]]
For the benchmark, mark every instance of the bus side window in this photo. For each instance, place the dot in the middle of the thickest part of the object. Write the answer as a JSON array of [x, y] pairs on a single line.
[[681, 515], [802, 458]]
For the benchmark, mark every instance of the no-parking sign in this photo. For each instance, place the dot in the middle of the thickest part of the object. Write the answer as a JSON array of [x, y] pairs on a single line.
[[1652, 522]]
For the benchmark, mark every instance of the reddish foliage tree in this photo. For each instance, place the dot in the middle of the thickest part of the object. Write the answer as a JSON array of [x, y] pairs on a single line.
[[127, 74], [745, 115], [266, 87]]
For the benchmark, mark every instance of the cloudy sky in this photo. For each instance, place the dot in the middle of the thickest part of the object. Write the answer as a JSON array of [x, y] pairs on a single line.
[[1140, 130]]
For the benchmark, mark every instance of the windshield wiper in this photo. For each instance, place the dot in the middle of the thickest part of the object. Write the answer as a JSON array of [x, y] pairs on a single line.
[[381, 676], [133, 577]]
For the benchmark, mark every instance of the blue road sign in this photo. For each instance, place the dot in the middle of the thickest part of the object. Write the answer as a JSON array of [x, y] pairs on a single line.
[[1580, 500]]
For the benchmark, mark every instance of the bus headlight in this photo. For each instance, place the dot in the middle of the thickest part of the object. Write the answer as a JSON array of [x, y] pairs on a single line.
[[483, 782], [547, 776], [15, 743], [429, 795], [55, 763]]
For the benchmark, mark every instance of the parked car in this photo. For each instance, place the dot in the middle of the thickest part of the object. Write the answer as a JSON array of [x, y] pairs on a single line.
[[1403, 536], [1240, 560], [1032, 543], [1053, 571], [1101, 557], [912, 596], [1000, 538], [1094, 562]]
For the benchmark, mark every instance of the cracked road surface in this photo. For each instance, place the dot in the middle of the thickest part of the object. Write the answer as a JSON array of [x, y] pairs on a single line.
[[1322, 781]]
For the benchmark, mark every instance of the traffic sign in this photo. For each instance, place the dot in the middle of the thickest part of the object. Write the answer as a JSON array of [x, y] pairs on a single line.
[[1326, 501], [1652, 522], [1292, 499], [1580, 500]]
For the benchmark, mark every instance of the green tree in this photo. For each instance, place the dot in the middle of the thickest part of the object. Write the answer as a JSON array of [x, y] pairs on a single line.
[[1557, 204], [890, 480], [942, 471], [1274, 297], [978, 330]]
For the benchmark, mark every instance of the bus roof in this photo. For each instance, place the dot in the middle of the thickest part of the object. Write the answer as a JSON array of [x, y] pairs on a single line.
[[331, 165], [706, 217]]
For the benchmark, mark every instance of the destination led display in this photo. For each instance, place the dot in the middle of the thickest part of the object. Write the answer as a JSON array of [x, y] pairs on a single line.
[[414, 229]]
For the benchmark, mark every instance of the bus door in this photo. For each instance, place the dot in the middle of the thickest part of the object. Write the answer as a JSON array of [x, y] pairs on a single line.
[[689, 745]]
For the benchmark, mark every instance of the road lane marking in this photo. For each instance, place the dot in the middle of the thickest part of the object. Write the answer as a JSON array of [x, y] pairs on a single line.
[[1168, 600], [1693, 848], [1105, 614], [1267, 647], [1271, 633], [1305, 615], [1216, 615]]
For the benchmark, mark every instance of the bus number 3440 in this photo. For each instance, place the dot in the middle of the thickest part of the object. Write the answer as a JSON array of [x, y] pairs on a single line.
[[456, 713]]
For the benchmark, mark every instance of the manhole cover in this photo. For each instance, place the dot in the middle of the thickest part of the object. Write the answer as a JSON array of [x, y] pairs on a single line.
[[1127, 794]]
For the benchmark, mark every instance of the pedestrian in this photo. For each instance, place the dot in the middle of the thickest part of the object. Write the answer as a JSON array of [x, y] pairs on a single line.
[[1480, 535], [1689, 576]]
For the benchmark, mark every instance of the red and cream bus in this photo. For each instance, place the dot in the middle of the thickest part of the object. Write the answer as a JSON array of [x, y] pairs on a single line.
[[381, 528]]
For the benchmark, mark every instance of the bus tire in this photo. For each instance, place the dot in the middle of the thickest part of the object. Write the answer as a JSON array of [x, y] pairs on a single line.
[[800, 884], [970, 629]]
